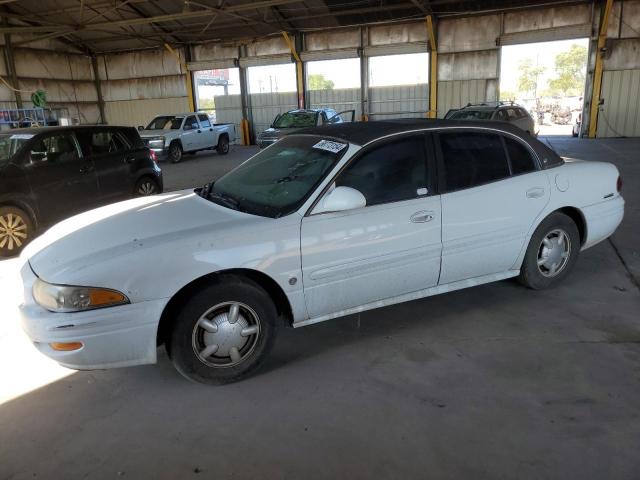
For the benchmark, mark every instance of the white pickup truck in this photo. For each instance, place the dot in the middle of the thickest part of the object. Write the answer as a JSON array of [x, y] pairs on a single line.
[[169, 136]]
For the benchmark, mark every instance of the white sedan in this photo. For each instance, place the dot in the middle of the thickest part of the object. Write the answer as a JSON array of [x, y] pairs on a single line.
[[319, 225]]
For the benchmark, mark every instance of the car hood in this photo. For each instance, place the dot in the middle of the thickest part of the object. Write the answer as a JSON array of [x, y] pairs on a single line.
[[163, 223], [155, 133], [279, 132]]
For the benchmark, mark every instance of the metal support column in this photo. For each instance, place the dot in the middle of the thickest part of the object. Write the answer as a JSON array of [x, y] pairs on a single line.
[[187, 74], [364, 75], [299, 70], [96, 80], [597, 73], [11, 65], [246, 124], [433, 69]]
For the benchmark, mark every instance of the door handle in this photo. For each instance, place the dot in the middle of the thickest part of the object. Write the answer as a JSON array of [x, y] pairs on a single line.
[[199, 131], [129, 159], [85, 169], [536, 192], [211, 129], [421, 217]]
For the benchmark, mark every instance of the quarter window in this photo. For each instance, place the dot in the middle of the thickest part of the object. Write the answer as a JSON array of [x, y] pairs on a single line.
[[520, 157], [393, 172], [471, 159]]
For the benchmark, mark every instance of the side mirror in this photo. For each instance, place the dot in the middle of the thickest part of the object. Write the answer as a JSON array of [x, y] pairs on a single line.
[[340, 199], [140, 128]]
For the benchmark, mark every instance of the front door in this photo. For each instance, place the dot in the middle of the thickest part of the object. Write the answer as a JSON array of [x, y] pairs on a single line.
[[389, 247], [62, 181], [191, 134], [206, 131], [492, 193]]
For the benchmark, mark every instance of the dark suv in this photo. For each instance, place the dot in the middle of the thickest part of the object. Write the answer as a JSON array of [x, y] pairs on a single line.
[[48, 174]]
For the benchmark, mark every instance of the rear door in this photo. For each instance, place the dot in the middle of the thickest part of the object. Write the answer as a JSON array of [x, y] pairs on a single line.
[[111, 154], [191, 134], [492, 193], [207, 135], [63, 182], [388, 248]]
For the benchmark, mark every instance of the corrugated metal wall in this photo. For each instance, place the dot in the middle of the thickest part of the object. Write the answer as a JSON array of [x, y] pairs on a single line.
[[620, 113], [457, 93], [228, 109], [133, 113], [400, 101], [339, 99]]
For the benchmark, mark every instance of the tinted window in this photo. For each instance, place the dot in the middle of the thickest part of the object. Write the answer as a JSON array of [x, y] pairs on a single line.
[[296, 119], [54, 149], [472, 159], [520, 157], [501, 115], [191, 123], [165, 123], [471, 115], [204, 121], [101, 142], [392, 172], [10, 144], [511, 112]]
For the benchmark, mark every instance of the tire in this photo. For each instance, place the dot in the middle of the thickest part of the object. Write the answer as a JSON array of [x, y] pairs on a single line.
[[16, 231], [146, 186], [223, 145], [547, 262], [574, 134], [175, 152], [205, 355]]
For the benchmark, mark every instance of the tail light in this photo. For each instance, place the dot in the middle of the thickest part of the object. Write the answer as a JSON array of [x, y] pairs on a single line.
[[153, 156], [619, 184]]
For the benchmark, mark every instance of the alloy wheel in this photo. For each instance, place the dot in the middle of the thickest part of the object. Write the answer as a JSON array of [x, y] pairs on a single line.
[[147, 188], [554, 252], [13, 231]]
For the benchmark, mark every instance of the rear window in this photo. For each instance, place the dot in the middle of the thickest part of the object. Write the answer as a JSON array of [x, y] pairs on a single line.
[[471, 159]]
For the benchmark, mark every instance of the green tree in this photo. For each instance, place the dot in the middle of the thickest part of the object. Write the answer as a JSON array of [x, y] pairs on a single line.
[[508, 95], [528, 79], [570, 69], [207, 103], [317, 81]]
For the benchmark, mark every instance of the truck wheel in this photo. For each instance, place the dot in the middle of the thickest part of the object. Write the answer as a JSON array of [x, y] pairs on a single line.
[[175, 152], [223, 332], [223, 145], [16, 230]]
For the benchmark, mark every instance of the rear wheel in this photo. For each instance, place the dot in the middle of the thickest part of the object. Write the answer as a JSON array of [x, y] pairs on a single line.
[[146, 186], [224, 331], [16, 230], [175, 152], [552, 252], [223, 145]]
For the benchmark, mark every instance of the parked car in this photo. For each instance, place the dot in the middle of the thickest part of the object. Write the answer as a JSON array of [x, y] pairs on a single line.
[[325, 223], [47, 174], [170, 136], [295, 120], [503, 112]]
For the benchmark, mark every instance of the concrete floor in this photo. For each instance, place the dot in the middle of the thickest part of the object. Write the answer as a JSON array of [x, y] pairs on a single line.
[[491, 382]]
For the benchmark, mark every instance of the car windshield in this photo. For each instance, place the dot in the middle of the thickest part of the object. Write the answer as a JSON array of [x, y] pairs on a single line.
[[296, 120], [10, 143], [471, 115], [278, 180], [165, 123]]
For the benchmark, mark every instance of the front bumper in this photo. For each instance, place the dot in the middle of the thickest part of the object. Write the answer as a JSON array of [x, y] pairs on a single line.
[[112, 337]]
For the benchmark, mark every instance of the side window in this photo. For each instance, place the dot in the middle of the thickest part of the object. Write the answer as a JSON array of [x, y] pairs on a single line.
[[191, 123], [55, 149], [501, 115], [520, 157], [511, 112], [204, 121], [106, 142], [393, 172], [471, 159]]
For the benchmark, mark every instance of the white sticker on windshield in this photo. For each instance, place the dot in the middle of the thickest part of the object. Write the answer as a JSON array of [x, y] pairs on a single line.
[[329, 146], [21, 136]]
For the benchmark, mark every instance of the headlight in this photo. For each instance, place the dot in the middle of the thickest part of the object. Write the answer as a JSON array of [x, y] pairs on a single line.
[[156, 142], [66, 298]]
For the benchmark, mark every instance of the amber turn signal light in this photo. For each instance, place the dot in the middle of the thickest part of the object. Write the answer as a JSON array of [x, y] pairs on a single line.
[[66, 347]]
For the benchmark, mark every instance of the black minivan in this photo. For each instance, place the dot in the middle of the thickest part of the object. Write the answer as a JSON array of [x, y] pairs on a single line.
[[51, 173]]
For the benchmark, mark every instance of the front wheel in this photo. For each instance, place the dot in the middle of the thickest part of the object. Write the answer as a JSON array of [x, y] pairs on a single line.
[[552, 252], [175, 152], [16, 230], [223, 145], [224, 332], [146, 186]]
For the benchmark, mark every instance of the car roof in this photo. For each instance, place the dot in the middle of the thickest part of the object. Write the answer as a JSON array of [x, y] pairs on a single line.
[[309, 110], [362, 133], [38, 130]]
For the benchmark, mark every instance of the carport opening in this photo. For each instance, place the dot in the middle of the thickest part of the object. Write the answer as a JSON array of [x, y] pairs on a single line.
[[548, 79], [215, 90], [334, 84]]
